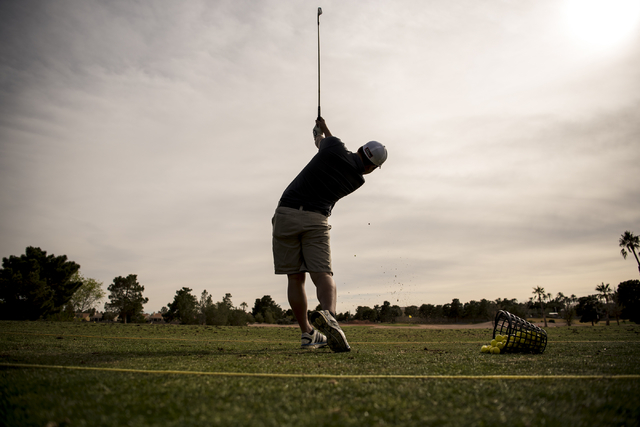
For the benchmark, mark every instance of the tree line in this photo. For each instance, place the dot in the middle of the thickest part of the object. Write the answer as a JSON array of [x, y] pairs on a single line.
[[189, 310], [37, 286], [623, 303], [40, 286]]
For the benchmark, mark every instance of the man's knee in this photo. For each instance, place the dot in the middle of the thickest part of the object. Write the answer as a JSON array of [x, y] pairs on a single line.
[[321, 277], [296, 279]]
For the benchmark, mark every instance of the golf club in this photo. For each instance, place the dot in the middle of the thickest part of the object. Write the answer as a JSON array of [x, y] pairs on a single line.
[[319, 13]]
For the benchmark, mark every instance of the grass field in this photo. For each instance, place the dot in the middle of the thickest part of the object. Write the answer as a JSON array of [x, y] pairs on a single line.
[[81, 374]]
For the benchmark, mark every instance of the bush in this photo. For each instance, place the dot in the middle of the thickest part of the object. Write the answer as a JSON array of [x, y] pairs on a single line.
[[238, 318], [66, 315]]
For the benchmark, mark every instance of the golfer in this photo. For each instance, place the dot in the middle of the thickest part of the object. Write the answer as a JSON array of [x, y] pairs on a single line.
[[301, 230]]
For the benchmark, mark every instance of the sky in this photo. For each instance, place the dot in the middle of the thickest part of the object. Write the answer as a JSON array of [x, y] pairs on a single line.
[[156, 137]]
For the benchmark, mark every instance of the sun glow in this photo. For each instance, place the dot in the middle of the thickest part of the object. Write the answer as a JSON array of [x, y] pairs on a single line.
[[602, 24]]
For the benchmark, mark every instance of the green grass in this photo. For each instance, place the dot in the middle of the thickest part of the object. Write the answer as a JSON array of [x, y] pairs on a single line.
[[323, 388]]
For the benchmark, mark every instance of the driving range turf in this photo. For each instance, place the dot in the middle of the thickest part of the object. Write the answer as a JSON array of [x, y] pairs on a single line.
[[85, 374]]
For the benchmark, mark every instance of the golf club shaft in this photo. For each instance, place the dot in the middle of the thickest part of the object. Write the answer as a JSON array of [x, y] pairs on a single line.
[[319, 13]]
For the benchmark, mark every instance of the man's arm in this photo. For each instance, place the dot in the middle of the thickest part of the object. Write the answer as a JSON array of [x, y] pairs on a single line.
[[322, 125]]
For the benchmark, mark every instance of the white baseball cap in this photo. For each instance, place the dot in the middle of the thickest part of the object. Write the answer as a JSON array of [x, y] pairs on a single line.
[[375, 152]]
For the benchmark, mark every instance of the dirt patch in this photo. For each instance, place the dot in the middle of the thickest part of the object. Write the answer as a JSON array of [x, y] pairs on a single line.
[[485, 325], [272, 325]]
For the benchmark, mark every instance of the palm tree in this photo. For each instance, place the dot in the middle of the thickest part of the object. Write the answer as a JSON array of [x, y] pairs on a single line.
[[574, 299], [564, 306], [628, 241], [569, 309], [617, 308], [605, 292], [539, 292]]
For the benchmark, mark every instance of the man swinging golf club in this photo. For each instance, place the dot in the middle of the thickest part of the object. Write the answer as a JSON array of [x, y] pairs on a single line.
[[301, 230]]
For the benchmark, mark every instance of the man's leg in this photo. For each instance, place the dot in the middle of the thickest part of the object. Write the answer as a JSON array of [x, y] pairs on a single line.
[[325, 290], [324, 319], [298, 300]]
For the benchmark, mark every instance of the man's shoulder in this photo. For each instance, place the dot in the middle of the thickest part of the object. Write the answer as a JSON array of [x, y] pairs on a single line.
[[334, 150], [332, 141]]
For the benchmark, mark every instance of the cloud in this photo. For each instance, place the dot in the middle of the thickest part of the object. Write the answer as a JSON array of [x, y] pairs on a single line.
[[155, 138]]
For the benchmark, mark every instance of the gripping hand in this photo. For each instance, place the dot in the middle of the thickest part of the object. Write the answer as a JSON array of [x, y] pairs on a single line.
[[317, 132], [318, 135]]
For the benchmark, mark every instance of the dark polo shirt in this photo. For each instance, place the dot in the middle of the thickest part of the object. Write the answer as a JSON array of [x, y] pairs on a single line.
[[332, 173]]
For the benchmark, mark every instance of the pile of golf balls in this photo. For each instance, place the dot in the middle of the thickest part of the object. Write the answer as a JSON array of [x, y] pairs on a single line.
[[496, 344], [519, 341]]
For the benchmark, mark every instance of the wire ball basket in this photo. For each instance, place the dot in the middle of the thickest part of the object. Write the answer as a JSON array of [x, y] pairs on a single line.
[[521, 336]]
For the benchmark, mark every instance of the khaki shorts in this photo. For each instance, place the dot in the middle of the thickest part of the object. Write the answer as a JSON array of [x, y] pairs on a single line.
[[300, 242]]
